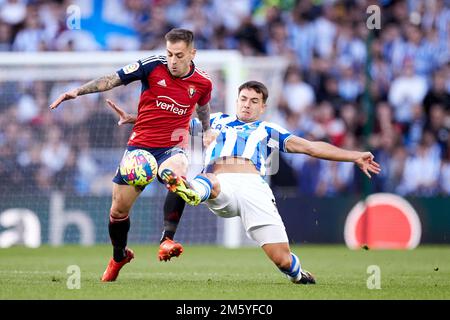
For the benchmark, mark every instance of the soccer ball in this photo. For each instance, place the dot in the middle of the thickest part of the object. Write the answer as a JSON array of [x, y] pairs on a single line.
[[138, 168]]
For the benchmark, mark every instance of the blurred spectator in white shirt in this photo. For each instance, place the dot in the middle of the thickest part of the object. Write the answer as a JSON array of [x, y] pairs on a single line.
[[13, 12], [406, 91], [55, 151], [33, 37], [231, 12], [298, 95], [325, 32]]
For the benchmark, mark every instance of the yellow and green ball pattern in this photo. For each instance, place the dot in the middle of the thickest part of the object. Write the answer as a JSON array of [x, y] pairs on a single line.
[[138, 167]]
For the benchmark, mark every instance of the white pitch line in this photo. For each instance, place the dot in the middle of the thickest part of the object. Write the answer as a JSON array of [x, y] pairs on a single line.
[[29, 272]]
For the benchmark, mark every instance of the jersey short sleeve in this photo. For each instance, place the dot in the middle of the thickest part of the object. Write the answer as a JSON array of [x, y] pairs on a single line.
[[206, 97], [277, 136], [139, 70]]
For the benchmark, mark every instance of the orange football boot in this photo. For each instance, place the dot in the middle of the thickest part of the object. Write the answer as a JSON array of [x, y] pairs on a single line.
[[112, 270], [168, 249]]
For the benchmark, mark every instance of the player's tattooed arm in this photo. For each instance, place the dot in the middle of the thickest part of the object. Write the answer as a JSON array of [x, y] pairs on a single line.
[[203, 113], [98, 85], [101, 84]]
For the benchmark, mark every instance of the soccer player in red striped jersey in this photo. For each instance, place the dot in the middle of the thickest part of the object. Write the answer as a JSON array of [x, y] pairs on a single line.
[[172, 88]]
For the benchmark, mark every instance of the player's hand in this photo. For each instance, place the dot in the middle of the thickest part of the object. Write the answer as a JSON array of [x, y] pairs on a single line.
[[123, 116], [69, 95], [209, 136], [366, 163]]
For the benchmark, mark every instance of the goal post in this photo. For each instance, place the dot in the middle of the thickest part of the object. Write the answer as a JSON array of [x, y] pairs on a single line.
[[83, 136]]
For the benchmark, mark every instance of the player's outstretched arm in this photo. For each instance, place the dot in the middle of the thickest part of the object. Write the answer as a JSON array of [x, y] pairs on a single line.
[[323, 150], [123, 116], [98, 85]]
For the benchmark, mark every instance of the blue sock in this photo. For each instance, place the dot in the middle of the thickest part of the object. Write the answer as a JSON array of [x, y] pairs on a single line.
[[202, 185], [294, 269]]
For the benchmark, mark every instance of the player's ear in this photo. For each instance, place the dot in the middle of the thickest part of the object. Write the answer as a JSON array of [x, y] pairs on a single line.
[[264, 107], [193, 52]]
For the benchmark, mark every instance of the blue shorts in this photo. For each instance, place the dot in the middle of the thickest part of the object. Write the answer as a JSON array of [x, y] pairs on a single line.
[[160, 154]]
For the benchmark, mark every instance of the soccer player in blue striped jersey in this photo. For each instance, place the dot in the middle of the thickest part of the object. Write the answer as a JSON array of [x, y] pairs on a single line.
[[232, 182]]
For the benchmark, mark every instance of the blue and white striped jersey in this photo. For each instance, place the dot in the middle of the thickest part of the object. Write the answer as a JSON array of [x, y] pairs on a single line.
[[254, 140]]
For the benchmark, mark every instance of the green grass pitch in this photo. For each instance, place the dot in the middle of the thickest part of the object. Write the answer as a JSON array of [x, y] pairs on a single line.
[[210, 272]]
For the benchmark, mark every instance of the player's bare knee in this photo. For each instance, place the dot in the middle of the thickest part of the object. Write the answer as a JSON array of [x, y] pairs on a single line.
[[119, 207], [118, 213], [281, 260], [279, 253]]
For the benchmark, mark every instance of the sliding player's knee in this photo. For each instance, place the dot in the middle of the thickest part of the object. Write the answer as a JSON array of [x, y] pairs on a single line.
[[215, 190], [281, 260], [279, 253]]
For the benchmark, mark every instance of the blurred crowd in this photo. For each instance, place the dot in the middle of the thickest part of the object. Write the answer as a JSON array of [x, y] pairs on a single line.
[[386, 90]]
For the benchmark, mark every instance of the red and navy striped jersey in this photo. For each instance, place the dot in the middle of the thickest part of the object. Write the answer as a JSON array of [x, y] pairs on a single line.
[[166, 102]]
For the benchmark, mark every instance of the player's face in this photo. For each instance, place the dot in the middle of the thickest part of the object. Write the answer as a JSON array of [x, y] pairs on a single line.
[[250, 105], [179, 58]]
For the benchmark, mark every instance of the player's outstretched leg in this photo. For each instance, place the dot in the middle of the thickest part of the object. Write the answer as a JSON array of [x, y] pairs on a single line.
[[181, 187], [296, 274], [286, 261]]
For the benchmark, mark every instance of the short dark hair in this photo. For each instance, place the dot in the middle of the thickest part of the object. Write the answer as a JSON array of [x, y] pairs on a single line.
[[257, 86], [178, 34]]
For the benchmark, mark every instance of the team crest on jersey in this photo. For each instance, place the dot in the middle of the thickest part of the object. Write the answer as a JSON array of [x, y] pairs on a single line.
[[132, 67], [191, 91]]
